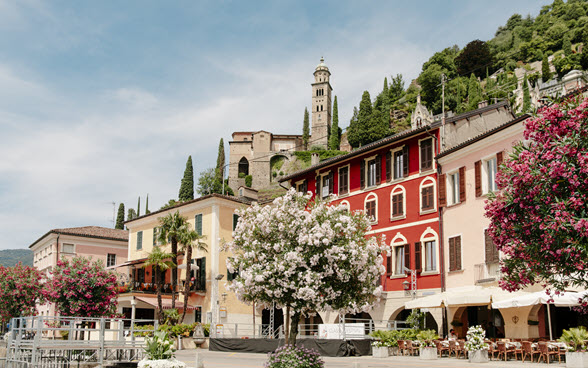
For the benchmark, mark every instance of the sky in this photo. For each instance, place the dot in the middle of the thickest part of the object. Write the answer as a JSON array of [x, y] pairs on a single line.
[[103, 101]]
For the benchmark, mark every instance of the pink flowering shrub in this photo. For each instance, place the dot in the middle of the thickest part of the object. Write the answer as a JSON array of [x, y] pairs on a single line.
[[20, 290], [82, 288], [539, 218]]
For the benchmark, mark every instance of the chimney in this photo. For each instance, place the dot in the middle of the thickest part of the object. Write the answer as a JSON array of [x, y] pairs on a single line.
[[314, 158], [482, 103]]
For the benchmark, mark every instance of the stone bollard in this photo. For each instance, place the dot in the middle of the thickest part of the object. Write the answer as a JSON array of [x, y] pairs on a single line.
[[198, 360]]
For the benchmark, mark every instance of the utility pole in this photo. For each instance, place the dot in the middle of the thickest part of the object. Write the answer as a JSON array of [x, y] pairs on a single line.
[[443, 81]]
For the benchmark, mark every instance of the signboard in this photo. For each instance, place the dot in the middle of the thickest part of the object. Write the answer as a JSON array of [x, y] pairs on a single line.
[[219, 330], [334, 331], [223, 312]]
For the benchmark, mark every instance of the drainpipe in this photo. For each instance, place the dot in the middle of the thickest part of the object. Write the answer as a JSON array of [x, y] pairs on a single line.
[[442, 253]]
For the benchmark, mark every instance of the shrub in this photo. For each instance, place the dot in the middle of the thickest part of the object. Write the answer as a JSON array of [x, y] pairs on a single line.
[[427, 337], [241, 175], [248, 181], [159, 346], [475, 339], [289, 356], [575, 338]]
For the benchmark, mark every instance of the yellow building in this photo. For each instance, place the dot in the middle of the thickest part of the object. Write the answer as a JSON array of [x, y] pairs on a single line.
[[213, 216]]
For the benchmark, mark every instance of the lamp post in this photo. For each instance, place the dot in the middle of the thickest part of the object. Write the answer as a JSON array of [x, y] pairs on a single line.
[[216, 312], [412, 285]]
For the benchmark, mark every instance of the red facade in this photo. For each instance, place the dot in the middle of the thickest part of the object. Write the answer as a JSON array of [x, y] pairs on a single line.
[[395, 179]]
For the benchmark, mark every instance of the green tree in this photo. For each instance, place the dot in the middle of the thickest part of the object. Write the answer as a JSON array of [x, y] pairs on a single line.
[[139, 206], [187, 187], [305, 130], [170, 203], [396, 89], [191, 239], [220, 160], [173, 228], [526, 95], [21, 289], [120, 217], [371, 124], [567, 45], [474, 58], [474, 93], [160, 262], [545, 71], [334, 138], [131, 214], [147, 205], [208, 183]]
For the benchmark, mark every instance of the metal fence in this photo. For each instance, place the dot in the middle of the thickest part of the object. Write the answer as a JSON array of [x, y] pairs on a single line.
[[47, 342]]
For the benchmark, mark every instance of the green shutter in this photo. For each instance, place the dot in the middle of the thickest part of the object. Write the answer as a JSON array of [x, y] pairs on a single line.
[[235, 221], [202, 278], [139, 240], [198, 224], [154, 236]]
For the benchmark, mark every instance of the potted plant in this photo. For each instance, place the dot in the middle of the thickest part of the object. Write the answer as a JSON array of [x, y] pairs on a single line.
[[476, 345], [385, 340], [575, 338], [294, 357], [159, 352], [427, 349]]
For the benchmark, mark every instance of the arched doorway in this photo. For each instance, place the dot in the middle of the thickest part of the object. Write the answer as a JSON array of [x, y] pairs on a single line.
[[429, 322], [362, 317], [310, 325], [243, 167], [562, 318], [278, 321], [491, 321]]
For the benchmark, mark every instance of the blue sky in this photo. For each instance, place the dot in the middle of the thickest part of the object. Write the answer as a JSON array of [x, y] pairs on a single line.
[[103, 101]]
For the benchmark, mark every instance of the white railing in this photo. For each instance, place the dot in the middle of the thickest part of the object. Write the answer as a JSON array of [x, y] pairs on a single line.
[[486, 272]]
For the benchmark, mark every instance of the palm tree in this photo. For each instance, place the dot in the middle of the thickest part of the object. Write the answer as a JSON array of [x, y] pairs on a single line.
[[159, 261], [173, 228], [190, 240]]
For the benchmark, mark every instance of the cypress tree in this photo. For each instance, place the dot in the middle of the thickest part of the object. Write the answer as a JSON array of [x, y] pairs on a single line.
[[220, 160], [545, 71], [305, 130], [474, 95], [187, 186], [567, 45], [120, 217], [334, 138], [526, 96], [147, 205], [131, 214], [139, 206]]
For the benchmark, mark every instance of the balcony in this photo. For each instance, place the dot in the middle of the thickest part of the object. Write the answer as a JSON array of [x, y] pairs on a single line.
[[486, 272], [166, 289]]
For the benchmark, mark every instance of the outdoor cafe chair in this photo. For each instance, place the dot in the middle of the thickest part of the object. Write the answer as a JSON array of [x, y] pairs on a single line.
[[503, 350], [402, 347], [412, 350], [453, 348], [528, 350], [461, 350], [491, 349], [441, 348], [544, 352]]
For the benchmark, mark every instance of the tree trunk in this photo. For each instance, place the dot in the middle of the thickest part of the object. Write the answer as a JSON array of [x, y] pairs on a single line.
[[188, 260], [294, 327], [287, 332], [159, 303], [174, 271]]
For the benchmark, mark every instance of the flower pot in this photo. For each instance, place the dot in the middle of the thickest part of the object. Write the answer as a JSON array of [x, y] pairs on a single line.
[[576, 359], [393, 350], [428, 353], [478, 356], [380, 352], [161, 363]]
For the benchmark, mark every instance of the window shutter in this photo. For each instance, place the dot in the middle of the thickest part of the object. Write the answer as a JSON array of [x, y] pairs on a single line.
[[331, 182], [139, 240], [406, 256], [400, 204], [235, 221], [388, 166], [451, 254], [317, 189], [499, 158], [305, 186], [378, 169], [458, 253], [417, 256], [405, 160], [198, 224], [462, 187], [442, 191], [478, 177], [362, 174], [154, 235], [389, 265], [492, 254], [202, 278]]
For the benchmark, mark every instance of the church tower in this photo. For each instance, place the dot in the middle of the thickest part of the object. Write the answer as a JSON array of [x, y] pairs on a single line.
[[321, 106]]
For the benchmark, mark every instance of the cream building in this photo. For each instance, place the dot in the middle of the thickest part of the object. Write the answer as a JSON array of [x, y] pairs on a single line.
[[210, 301]]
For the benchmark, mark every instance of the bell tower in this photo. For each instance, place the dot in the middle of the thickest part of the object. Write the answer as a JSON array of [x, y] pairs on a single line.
[[321, 106]]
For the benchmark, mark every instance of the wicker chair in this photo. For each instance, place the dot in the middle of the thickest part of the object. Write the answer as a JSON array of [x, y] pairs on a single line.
[[461, 350], [491, 349], [441, 348], [503, 351], [528, 350], [544, 351], [412, 350], [402, 347]]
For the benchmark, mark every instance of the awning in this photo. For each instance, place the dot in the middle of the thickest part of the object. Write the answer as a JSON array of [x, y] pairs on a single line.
[[165, 303], [128, 263], [566, 299], [460, 297]]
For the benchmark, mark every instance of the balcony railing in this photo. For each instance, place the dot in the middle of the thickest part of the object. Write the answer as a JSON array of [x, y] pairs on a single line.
[[151, 288], [486, 272]]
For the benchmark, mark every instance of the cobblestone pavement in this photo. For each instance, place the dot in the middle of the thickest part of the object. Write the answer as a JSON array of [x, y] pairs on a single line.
[[217, 359]]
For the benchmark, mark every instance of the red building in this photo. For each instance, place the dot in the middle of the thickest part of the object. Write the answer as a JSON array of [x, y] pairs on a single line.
[[394, 180]]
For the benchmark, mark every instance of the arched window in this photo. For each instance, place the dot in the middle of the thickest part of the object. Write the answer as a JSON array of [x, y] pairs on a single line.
[[429, 243], [346, 204], [371, 207], [398, 202], [243, 166], [428, 197], [398, 257], [317, 108]]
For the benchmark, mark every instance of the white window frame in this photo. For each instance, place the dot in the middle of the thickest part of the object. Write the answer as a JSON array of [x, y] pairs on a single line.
[[427, 182], [365, 201], [373, 173], [487, 176], [298, 184], [433, 164], [63, 250], [398, 189], [346, 204], [324, 179], [452, 187], [398, 241], [393, 163], [427, 236]]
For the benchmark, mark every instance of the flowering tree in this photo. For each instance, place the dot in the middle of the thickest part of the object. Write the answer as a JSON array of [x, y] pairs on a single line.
[[305, 257], [539, 219], [20, 290], [82, 288]]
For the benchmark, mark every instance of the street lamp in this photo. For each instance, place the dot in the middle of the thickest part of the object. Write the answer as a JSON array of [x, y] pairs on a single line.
[[216, 312], [412, 283]]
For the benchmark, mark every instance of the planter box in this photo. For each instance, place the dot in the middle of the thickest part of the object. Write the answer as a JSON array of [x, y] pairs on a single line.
[[393, 351], [478, 356], [380, 352], [428, 353], [166, 363], [576, 360]]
